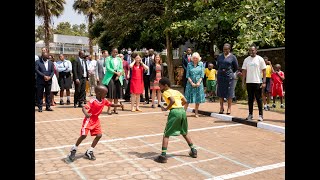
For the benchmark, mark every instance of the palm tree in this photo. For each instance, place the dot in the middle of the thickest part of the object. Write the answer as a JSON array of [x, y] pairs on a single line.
[[46, 9], [90, 9]]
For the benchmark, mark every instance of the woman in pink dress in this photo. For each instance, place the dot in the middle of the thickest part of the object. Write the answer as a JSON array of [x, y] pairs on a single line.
[[136, 83], [156, 70]]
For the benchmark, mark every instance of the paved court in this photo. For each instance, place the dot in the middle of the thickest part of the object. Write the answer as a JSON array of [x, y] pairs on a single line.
[[130, 141]]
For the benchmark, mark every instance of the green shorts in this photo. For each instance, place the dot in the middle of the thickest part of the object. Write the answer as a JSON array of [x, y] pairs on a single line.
[[177, 123], [211, 85]]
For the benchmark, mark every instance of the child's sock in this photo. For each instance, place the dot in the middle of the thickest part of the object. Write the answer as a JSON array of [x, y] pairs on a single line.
[[191, 146], [68, 98], [74, 147], [90, 149], [164, 151]]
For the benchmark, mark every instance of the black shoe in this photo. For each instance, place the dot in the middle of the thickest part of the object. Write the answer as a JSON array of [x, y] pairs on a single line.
[[39, 110], [147, 102], [85, 102], [159, 105], [68, 102], [75, 106], [90, 155], [49, 109], [161, 159], [80, 105], [193, 153], [72, 155], [61, 102]]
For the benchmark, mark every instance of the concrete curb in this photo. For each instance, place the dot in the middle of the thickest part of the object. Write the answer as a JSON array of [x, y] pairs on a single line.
[[225, 117]]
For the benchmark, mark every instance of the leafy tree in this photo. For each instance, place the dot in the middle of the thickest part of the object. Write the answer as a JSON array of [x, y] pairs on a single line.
[[46, 9]]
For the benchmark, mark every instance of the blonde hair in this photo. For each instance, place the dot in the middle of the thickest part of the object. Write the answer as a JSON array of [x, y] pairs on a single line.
[[196, 54]]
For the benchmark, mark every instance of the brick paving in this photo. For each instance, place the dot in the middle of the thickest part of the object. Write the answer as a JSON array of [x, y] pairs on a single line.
[[131, 140]]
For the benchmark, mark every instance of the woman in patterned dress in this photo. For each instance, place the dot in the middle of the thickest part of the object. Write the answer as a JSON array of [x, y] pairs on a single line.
[[194, 89], [156, 70]]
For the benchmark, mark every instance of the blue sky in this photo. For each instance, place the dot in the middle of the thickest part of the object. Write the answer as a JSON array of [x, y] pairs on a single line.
[[69, 15]]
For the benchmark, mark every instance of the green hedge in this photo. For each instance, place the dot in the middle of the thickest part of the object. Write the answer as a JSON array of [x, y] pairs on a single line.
[[240, 93]]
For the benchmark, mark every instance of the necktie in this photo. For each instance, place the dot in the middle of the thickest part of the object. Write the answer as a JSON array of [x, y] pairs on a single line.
[[189, 58]]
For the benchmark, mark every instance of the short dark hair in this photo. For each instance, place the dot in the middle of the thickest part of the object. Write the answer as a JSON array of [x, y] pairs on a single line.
[[133, 55], [165, 81]]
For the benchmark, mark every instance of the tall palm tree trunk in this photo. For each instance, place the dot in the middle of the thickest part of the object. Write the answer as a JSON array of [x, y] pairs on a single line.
[[90, 40], [47, 31]]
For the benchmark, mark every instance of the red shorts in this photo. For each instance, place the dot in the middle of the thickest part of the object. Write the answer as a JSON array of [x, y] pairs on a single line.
[[93, 126], [277, 89]]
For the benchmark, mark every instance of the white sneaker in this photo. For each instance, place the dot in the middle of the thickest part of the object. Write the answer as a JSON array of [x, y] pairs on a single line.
[[260, 118], [249, 117]]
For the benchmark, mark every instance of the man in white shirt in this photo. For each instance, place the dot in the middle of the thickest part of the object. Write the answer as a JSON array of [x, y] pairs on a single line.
[[251, 72], [92, 69], [64, 68]]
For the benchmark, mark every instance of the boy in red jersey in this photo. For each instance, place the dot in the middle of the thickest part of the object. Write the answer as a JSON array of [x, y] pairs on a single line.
[[91, 122], [277, 78]]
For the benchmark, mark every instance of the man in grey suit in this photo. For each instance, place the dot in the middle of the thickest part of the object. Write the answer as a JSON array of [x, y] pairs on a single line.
[[101, 70]]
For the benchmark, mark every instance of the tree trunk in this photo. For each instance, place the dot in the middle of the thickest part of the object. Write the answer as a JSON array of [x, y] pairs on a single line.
[[211, 44], [170, 58], [47, 32], [90, 40]]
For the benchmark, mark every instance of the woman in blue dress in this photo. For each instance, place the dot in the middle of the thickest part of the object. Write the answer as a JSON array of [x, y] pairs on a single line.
[[194, 92], [227, 64]]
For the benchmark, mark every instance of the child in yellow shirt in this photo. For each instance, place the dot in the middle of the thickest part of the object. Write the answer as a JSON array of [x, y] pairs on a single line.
[[211, 83], [177, 123]]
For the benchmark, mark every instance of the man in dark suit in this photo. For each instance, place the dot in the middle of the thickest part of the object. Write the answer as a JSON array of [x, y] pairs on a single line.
[[185, 60], [44, 70], [146, 76], [80, 77], [129, 58]]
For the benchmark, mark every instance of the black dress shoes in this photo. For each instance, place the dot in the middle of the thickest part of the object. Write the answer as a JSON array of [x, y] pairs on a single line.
[[49, 109], [39, 110]]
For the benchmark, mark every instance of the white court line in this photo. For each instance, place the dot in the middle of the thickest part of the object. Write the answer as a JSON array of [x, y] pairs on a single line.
[[135, 164], [72, 119], [134, 147], [74, 167], [248, 171], [139, 136], [201, 171], [171, 167], [219, 155], [109, 162]]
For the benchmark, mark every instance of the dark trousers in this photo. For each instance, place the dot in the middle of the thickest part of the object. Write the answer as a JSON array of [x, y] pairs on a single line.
[[254, 90], [80, 91], [184, 81], [146, 81], [47, 88], [127, 94]]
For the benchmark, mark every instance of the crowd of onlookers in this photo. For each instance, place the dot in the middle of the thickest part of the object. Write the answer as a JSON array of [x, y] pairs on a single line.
[[134, 77]]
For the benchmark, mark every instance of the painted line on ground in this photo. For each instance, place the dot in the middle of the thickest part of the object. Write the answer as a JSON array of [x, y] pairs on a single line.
[[134, 147], [170, 167], [109, 162], [74, 167], [201, 171], [139, 136], [248, 171], [72, 119], [134, 163], [217, 154], [261, 125]]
